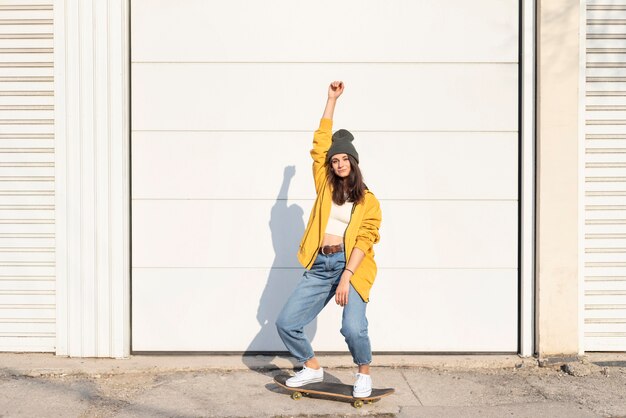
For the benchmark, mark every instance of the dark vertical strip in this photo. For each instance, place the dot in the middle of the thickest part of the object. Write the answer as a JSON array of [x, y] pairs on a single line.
[[535, 162]]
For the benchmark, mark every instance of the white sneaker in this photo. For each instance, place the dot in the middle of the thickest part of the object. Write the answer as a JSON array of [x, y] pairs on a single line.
[[306, 376], [362, 386]]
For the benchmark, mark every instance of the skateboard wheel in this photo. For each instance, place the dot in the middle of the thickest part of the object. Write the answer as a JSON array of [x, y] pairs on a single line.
[[370, 402], [358, 403], [296, 396]]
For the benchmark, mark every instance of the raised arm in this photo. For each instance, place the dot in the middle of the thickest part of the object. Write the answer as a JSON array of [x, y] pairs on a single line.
[[334, 91], [323, 136]]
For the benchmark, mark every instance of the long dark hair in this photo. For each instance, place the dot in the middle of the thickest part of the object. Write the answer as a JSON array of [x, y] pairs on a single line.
[[352, 189]]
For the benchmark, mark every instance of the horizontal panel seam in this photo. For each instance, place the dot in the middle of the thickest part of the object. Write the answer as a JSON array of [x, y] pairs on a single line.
[[311, 131], [301, 268], [336, 62], [312, 199]]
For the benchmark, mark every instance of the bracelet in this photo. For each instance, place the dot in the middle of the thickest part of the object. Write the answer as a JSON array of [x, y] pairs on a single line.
[[349, 271]]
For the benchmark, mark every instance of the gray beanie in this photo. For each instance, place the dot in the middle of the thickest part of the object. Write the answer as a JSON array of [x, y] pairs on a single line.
[[342, 144]]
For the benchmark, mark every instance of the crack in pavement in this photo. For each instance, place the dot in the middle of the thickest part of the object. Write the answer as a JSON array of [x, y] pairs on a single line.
[[410, 387]]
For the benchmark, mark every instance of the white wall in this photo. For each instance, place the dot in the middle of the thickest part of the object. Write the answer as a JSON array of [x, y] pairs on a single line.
[[218, 114]]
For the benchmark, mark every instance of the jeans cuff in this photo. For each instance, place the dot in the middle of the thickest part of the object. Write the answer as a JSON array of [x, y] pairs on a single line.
[[306, 359]]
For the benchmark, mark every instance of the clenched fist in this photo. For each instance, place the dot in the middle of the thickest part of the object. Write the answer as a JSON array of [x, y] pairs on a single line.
[[335, 89]]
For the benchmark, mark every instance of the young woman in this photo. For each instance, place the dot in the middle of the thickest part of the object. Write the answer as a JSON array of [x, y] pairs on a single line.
[[336, 251]]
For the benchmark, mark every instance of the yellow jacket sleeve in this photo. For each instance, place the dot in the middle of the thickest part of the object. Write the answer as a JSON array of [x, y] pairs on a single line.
[[321, 143], [368, 234]]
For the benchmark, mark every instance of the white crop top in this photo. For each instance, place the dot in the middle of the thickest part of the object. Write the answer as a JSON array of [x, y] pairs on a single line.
[[339, 218]]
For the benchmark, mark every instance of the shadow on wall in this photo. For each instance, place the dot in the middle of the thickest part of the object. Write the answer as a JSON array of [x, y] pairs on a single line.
[[287, 226]]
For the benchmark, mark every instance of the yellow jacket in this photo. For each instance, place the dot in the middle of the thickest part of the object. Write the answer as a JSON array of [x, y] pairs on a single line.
[[362, 231]]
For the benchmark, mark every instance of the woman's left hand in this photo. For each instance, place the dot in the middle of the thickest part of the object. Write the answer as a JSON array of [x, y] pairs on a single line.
[[343, 288]]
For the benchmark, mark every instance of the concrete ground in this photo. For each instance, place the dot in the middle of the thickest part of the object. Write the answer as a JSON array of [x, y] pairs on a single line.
[[43, 385]]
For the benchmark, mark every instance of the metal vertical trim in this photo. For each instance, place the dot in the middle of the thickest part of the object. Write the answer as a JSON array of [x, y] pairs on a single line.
[[528, 137]]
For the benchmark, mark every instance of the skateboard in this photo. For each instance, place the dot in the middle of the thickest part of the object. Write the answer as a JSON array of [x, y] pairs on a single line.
[[333, 390]]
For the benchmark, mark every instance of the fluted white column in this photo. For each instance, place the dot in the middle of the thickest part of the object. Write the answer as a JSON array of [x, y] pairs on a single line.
[[92, 177]]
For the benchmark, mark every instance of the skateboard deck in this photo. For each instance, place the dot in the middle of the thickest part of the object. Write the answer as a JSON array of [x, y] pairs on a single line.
[[333, 390]]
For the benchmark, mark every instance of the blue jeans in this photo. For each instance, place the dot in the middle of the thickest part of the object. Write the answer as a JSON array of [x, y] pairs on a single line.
[[316, 288]]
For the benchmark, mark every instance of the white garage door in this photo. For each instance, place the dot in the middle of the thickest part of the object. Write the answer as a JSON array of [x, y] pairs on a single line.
[[27, 224], [225, 98], [605, 175]]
